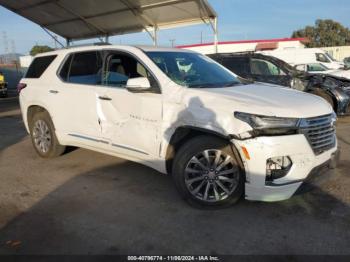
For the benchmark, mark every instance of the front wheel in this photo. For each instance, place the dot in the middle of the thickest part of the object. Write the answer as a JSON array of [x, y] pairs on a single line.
[[43, 136], [207, 173]]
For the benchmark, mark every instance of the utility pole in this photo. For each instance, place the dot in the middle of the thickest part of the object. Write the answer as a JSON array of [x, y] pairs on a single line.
[[13, 50], [6, 46], [172, 41]]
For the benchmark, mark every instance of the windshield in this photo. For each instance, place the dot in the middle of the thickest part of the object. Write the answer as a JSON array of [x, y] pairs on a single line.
[[331, 57], [193, 70], [316, 68]]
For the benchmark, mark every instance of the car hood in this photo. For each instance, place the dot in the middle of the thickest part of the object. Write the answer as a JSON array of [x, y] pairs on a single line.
[[264, 99], [340, 73]]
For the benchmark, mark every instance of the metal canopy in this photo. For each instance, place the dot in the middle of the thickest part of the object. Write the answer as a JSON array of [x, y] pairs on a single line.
[[82, 19]]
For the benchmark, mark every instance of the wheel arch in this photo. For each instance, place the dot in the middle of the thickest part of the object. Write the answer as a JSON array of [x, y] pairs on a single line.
[[31, 111], [185, 133], [328, 92]]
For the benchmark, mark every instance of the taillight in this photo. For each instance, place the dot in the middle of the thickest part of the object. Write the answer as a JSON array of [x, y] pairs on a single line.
[[21, 86]]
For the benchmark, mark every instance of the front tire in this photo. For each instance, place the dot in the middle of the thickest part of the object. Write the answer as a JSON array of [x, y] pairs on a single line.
[[43, 136], [207, 173]]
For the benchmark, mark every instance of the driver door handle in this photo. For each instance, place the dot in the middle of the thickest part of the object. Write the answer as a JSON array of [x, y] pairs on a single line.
[[106, 98]]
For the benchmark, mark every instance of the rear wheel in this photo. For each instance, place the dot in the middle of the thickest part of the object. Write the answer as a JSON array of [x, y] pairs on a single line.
[[207, 173], [43, 136]]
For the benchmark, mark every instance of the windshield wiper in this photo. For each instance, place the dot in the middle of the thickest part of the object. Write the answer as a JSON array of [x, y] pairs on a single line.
[[215, 85], [232, 84], [200, 86]]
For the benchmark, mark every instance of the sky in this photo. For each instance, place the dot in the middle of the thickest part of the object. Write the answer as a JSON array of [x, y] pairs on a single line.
[[238, 20]]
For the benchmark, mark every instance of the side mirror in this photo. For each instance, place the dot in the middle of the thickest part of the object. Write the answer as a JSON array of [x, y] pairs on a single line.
[[301, 68], [138, 84]]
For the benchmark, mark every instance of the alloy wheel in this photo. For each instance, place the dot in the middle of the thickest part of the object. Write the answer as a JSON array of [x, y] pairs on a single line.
[[211, 175], [42, 136]]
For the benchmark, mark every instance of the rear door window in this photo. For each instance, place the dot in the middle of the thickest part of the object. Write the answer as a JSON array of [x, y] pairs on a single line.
[[39, 65], [65, 68], [84, 68]]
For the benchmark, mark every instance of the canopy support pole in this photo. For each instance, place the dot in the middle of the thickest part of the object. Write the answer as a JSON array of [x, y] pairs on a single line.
[[150, 33], [214, 26], [216, 34], [53, 37], [155, 36]]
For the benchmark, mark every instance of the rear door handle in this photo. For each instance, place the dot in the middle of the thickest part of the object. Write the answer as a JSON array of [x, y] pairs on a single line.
[[53, 91], [105, 98]]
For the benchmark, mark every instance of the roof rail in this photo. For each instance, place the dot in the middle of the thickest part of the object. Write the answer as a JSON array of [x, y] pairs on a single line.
[[235, 53], [93, 44]]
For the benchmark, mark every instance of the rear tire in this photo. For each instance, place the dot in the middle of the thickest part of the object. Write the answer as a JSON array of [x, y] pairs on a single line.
[[43, 136], [207, 173]]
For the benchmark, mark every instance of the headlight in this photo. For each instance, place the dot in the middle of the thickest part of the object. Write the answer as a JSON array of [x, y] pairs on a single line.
[[269, 125]]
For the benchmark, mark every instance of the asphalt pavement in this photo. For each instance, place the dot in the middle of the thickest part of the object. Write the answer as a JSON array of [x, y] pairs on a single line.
[[89, 203]]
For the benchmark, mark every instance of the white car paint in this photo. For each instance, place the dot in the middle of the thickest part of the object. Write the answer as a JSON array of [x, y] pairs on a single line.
[[297, 56], [139, 126], [339, 73], [321, 69]]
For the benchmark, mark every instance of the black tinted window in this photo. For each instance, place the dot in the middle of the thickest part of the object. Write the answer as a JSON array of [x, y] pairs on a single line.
[[86, 68], [39, 65], [238, 65]]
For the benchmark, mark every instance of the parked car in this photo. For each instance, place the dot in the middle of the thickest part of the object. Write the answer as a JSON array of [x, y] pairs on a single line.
[[298, 56], [3, 85], [268, 69], [180, 113], [321, 69]]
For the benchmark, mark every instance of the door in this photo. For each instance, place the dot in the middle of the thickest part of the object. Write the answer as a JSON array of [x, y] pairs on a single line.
[[75, 103], [265, 71], [131, 121]]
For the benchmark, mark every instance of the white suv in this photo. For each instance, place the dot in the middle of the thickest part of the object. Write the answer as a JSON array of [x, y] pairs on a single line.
[[180, 113]]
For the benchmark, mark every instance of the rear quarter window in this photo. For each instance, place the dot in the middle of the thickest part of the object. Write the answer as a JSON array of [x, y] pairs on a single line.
[[39, 65]]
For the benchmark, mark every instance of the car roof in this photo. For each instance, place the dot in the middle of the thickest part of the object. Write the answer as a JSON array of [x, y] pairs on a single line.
[[111, 47], [163, 49], [248, 54]]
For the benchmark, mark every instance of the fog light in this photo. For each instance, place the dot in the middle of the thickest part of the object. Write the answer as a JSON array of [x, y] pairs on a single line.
[[277, 167]]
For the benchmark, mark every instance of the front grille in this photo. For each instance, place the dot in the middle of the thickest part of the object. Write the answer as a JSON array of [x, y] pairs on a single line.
[[320, 132]]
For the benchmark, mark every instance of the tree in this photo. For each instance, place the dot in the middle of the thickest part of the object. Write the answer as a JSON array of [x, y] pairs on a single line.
[[37, 49], [325, 33]]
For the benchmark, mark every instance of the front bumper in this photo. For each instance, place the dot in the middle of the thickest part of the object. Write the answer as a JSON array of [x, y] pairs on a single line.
[[262, 148]]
